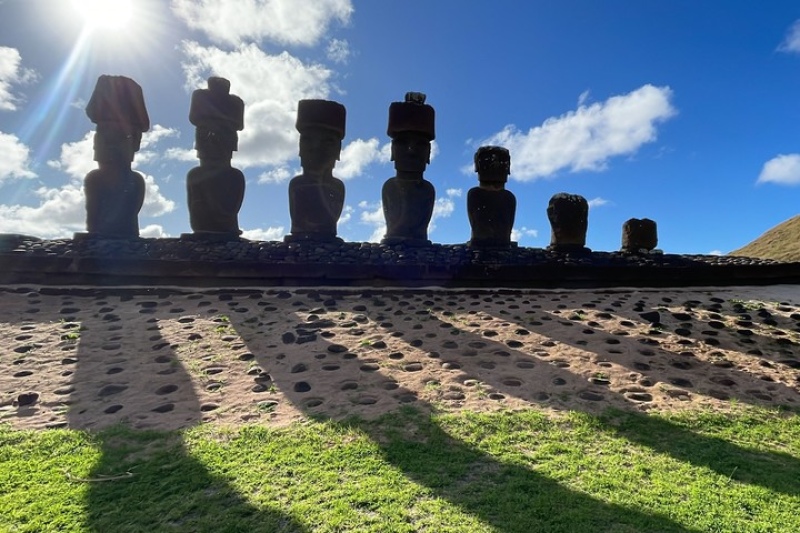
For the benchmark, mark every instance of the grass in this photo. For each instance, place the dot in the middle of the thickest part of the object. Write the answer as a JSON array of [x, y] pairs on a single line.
[[408, 471], [779, 243]]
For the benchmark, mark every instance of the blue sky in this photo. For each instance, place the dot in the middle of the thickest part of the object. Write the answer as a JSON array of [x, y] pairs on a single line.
[[684, 112]]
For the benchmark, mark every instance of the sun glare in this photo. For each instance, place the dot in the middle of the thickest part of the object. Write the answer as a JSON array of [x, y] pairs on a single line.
[[105, 14]]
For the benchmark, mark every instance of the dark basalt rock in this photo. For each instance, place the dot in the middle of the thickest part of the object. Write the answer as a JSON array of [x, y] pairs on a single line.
[[639, 235], [114, 192], [215, 190], [316, 197], [569, 220], [407, 198], [490, 207]]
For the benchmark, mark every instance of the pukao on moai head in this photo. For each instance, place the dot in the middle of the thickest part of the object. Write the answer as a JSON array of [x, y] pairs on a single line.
[[316, 197], [217, 116], [639, 235], [215, 190], [491, 208], [115, 193], [408, 198], [569, 220], [321, 124]]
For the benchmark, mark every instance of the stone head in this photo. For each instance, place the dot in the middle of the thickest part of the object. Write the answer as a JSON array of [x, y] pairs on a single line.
[[412, 128], [321, 124], [493, 164], [117, 107]]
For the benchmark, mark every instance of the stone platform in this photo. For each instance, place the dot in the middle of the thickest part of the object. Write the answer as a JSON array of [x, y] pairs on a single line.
[[244, 263]]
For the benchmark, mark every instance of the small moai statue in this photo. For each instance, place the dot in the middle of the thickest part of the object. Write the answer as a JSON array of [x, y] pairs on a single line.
[[569, 220], [215, 189], [316, 197], [490, 207], [114, 192], [639, 235], [408, 199]]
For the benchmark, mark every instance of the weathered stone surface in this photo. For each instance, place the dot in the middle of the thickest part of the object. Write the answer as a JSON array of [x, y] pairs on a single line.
[[215, 190], [408, 199], [490, 207], [316, 197], [569, 220], [114, 192], [639, 235]]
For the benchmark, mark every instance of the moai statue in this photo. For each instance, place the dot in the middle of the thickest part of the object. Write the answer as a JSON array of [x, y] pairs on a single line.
[[215, 189], [316, 197], [490, 207], [114, 192], [569, 220], [408, 198], [639, 235]]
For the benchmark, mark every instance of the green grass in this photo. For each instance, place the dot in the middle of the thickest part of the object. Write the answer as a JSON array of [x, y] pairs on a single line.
[[408, 471]]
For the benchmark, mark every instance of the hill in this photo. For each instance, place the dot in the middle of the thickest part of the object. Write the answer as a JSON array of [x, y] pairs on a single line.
[[781, 243]]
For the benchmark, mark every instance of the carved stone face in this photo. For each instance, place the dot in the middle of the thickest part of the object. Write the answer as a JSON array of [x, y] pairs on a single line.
[[115, 143], [319, 150], [492, 166], [411, 152]]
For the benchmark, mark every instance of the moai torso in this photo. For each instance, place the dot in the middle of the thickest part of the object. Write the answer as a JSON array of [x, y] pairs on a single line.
[[408, 208], [114, 192]]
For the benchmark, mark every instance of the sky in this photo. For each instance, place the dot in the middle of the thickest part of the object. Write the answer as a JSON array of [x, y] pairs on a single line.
[[684, 112]]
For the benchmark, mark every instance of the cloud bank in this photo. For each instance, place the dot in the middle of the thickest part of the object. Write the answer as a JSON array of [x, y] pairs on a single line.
[[287, 22], [585, 139]]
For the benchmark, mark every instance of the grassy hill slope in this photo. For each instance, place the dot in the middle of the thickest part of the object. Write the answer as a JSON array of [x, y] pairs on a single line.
[[781, 243]]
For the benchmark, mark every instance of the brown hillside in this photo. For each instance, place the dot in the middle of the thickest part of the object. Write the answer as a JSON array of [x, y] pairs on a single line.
[[781, 243]]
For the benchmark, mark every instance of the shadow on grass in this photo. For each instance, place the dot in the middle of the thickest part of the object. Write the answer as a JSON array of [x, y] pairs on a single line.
[[509, 497], [776, 471], [169, 490]]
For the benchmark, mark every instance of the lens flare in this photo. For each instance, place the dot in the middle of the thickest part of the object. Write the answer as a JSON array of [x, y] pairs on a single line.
[[105, 14]]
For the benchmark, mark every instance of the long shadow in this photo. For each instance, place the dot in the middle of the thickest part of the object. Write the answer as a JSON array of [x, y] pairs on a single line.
[[730, 460], [115, 391], [509, 497], [726, 324]]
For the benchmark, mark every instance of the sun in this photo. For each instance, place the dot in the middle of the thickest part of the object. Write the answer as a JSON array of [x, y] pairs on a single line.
[[105, 14]]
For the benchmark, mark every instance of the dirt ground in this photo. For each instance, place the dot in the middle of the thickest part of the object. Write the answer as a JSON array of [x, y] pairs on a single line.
[[173, 358]]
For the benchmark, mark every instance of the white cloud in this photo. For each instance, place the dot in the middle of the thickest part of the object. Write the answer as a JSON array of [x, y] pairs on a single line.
[[585, 139], [14, 161], [783, 170], [454, 193], [291, 22], [715, 252], [151, 138], [347, 214], [791, 43], [357, 155], [12, 73], [443, 208], [269, 234], [155, 203], [372, 215], [270, 86], [519, 234], [77, 158], [153, 231], [338, 50], [275, 175], [59, 213], [597, 202]]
